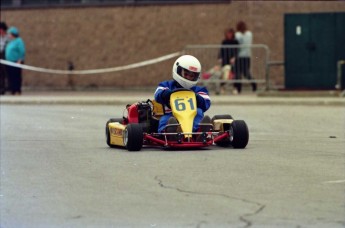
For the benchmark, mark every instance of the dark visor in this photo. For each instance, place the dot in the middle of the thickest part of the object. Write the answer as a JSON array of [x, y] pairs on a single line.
[[187, 74]]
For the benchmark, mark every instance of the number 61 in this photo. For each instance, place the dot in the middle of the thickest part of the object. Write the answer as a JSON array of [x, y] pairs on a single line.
[[181, 105]]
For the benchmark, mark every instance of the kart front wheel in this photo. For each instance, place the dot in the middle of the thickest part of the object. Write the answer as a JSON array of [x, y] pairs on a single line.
[[240, 133], [133, 137]]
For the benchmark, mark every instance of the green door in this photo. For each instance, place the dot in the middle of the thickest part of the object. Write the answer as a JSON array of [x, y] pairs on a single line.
[[297, 51], [311, 46], [323, 57]]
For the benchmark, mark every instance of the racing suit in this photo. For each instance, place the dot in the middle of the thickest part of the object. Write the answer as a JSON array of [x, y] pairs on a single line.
[[202, 97]]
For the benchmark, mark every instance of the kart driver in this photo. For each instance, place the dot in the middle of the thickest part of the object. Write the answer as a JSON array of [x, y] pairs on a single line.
[[185, 72]]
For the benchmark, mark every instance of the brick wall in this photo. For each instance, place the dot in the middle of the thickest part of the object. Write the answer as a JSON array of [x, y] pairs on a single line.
[[104, 37]]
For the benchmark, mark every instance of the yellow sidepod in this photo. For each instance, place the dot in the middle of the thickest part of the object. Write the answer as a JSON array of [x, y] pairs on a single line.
[[218, 125], [116, 133]]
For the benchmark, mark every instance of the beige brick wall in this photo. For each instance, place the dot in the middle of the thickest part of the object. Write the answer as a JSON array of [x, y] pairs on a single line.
[[113, 36]]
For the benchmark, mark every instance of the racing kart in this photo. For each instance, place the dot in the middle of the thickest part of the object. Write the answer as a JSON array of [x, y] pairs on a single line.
[[139, 126]]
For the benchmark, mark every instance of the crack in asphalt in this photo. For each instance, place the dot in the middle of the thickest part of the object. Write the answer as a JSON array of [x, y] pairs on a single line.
[[247, 221], [243, 218]]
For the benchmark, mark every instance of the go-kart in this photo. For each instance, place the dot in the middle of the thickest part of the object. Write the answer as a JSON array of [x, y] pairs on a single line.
[[139, 126]]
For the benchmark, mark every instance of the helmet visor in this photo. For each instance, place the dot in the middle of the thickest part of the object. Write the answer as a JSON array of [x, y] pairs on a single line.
[[187, 74]]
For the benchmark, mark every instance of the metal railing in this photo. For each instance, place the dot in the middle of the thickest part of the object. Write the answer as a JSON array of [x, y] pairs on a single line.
[[209, 57], [269, 65]]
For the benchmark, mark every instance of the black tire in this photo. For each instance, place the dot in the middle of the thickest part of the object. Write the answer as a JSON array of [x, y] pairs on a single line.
[[240, 134], [224, 142], [133, 137], [107, 133]]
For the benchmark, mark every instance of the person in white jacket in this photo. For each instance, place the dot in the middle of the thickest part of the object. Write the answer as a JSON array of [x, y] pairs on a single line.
[[242, 65]]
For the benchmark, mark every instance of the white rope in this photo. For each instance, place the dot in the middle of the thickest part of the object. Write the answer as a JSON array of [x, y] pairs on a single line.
[[95, 71]]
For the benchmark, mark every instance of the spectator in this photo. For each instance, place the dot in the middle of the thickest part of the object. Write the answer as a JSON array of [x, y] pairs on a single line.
[[3, 42], [15, 52], [228, 55], [242, 65]]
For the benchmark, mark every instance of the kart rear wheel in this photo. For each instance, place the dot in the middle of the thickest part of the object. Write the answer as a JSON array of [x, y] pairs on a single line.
[[133, 137], [107, 132], [240, 134], [226, 142]]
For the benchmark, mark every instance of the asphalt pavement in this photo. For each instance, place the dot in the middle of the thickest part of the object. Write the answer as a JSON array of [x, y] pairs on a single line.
[[116, 97], [57, 170]]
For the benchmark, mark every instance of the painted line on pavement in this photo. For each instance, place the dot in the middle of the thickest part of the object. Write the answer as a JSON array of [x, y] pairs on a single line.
[[334, 182]]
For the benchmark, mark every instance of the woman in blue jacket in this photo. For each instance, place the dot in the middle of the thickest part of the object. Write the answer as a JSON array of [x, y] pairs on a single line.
[[15, 52], [186, 72]]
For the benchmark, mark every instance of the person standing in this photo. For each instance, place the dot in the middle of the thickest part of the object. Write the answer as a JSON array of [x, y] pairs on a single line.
[[15, 52], [242, 65], [3, 42], [228, 55]]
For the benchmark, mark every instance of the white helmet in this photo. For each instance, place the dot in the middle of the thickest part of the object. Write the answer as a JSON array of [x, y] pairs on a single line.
[[186, 71]]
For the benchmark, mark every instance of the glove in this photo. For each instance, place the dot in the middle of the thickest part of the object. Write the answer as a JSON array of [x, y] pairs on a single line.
[[200, 102], [165, 95]]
